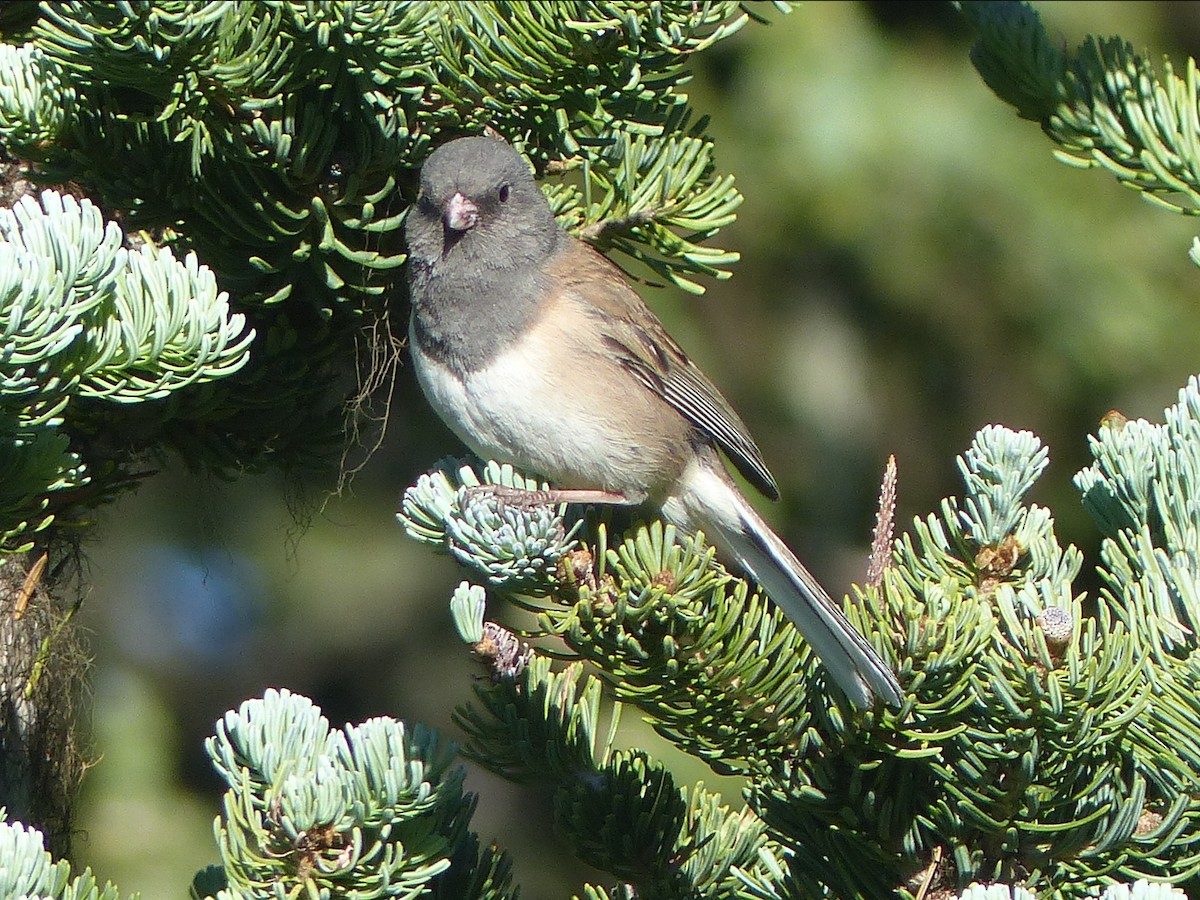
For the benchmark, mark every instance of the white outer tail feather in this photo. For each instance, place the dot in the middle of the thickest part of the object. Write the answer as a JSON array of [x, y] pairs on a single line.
[[711, 503], [853, 663]]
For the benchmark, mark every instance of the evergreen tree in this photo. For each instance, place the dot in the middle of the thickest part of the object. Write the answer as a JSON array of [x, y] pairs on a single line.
[[1048, 744]]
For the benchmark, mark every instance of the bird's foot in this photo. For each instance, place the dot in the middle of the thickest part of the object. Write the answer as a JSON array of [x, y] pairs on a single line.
[[527, 499]]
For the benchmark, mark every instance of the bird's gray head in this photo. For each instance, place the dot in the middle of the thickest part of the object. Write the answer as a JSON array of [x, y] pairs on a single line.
[[479, 209]]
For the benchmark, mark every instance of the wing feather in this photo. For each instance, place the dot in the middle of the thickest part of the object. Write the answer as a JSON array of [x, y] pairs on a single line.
[[640, 342]]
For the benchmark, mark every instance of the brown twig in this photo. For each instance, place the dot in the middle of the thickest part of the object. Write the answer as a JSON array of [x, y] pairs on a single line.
[[885, 526]]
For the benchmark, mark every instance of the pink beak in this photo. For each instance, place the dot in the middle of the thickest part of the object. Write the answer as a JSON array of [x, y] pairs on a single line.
[[461, 213]]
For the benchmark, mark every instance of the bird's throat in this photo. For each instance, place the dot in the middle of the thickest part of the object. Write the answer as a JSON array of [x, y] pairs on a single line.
[[463, 321]]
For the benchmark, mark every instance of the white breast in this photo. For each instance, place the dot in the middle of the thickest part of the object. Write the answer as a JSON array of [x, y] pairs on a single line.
[[542, 419]]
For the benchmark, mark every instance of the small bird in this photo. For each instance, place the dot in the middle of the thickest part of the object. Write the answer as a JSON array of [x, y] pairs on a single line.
[[534, 350]]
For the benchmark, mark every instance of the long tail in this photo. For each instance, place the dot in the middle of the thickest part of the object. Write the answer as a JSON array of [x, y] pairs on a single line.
[[715, 504]]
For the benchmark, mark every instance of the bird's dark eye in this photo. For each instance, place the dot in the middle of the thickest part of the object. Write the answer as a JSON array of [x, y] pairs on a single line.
[[504, 193]]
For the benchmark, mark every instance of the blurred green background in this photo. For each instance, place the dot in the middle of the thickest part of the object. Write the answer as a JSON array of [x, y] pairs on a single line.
[[915, 265]]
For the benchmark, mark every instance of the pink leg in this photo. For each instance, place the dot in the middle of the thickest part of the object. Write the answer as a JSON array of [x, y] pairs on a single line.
[[522, 497]]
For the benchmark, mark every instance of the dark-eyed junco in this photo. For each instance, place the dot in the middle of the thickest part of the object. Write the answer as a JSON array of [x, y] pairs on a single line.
[[535, 351]]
